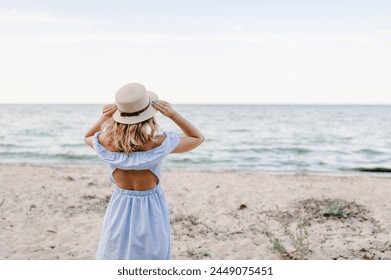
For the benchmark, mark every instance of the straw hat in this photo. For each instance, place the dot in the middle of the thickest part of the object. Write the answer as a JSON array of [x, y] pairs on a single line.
[[134, 104]]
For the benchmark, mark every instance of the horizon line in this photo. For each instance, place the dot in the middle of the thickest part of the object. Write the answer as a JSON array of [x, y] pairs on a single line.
[[222, 104]]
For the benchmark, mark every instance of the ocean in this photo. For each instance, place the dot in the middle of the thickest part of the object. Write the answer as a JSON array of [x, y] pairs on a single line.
[[292, 138]]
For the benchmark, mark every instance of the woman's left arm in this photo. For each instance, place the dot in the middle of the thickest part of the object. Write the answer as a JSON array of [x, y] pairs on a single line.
[[107, 112]]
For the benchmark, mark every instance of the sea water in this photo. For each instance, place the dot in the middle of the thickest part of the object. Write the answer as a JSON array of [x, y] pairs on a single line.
[[325, 138]]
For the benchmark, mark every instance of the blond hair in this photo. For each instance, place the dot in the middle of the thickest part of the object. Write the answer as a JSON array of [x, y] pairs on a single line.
[[129, 138]]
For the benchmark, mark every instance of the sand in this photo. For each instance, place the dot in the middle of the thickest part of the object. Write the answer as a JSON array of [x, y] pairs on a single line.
[[56, 212]]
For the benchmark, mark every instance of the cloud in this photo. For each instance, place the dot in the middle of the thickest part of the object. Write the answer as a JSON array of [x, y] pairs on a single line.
[[360, 39], [18, 16], [87, 34], [135, 37], [284, 40], [383, 33]]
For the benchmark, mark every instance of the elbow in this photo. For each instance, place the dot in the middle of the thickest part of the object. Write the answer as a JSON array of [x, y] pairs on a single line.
[[88, 141], [201, 139]]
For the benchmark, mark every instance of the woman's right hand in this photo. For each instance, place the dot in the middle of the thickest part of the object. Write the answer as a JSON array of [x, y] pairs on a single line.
[[108, 110], [164, 107]]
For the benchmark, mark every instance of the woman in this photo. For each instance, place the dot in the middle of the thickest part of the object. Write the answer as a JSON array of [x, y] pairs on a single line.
[[136, 223]]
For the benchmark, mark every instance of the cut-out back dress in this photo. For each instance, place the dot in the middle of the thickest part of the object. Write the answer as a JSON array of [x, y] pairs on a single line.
[[136, 225]]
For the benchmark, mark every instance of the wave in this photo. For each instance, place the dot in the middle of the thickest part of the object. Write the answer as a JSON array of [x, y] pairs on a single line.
[[295, 150], [370, 152], [371, 169], [7, 145], [280, 150], [77, 145], [23, 156], [240, 130]]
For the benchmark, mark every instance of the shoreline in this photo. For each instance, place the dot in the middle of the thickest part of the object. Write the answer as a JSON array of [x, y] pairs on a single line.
[[56, 211], [342, 173]]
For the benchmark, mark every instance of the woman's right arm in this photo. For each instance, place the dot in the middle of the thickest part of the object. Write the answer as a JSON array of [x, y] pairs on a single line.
[[193, 137]]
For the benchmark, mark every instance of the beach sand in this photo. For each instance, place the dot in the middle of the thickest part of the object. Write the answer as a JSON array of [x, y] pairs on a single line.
[[56, 212]]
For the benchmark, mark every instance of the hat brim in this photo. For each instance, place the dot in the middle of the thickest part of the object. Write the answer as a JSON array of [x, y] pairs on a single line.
[[147, 114]]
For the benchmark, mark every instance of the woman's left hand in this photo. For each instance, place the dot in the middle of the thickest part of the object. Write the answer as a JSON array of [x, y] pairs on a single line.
[[108, 110]]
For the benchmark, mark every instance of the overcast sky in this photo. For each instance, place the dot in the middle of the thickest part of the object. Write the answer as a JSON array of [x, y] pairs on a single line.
[[265, 51]]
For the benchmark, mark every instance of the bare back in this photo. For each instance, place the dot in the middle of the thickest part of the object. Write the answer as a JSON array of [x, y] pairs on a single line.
[[138, 180]]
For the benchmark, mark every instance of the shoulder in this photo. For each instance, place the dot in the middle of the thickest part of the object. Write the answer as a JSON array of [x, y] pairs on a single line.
[[152, 144], [102, 141], [166, 141], [172, 140], [172, 137]]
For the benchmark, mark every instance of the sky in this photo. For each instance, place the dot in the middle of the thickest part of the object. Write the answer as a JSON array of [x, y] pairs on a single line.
[[207, 52]]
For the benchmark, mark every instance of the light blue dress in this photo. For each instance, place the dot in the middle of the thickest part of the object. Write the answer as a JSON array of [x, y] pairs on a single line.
[[136, 225]]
